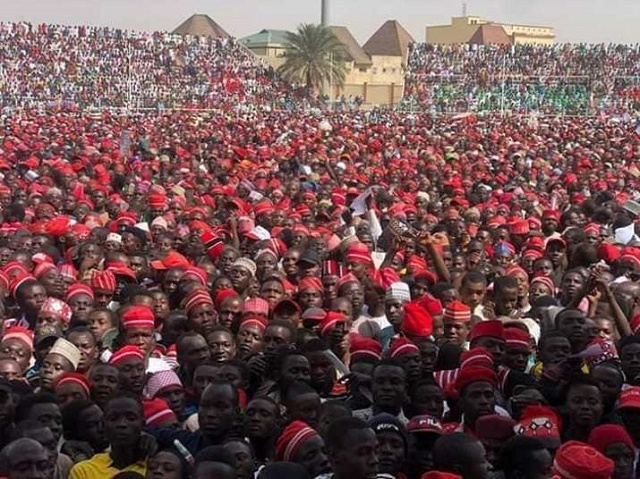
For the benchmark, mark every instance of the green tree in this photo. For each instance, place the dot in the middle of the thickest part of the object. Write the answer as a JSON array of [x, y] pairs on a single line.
[[313, 56]]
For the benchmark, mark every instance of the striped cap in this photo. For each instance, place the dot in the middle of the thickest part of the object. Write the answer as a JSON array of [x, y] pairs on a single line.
[[457, 312]]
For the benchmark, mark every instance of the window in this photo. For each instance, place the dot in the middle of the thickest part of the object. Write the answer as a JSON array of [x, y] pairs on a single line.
[[362, 70], [384, 70]]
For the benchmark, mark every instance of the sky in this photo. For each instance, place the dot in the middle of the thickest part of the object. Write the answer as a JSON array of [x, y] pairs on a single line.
[[588, 21]]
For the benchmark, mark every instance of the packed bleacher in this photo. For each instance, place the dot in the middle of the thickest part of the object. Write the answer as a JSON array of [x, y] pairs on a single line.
[[568, 79], [47, 65]]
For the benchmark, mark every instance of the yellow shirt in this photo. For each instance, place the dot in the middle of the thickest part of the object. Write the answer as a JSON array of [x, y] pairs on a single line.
[[99, 467]]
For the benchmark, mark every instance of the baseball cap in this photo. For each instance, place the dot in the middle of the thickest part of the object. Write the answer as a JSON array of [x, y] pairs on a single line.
[[47, 333], [425, 424]]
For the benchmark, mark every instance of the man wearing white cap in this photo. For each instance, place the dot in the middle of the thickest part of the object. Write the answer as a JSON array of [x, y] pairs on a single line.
[[63, 357]]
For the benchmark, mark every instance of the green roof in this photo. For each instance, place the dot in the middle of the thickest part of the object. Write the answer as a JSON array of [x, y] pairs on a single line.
[[266, 37]]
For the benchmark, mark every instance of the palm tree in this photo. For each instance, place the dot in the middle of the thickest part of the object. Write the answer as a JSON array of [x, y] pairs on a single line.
[[313, 56]]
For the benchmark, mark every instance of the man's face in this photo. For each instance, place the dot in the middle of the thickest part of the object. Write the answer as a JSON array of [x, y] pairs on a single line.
[[478, 399], [359, 458], [584, 405], [574, 325], [391, 452], [394, 309], [49, 415], [260, 418], [455, 332], [516, 358], [494, 345], [295, 368], [217, 412], [104, 381], [132, 375], [304, 407], [53, 366], [123, 422], [389, 387], [275, 337], [86, 343], [472, 294], [322, 371], [230, 311], [556, 350], [33, 298], [221, 345], [29, 463], [506, 302]]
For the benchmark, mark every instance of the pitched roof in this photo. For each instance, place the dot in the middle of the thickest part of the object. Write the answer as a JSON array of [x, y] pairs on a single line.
[[201, 25], [490, 35], [390, 40], [266, 37], [353, 48]]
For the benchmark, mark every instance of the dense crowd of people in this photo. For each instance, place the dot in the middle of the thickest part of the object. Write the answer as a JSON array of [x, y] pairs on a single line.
[[569, 79], [277, 294], [49, 65]]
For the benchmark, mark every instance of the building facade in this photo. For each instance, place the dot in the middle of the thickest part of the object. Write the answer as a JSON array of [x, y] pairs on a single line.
[[462, 29]]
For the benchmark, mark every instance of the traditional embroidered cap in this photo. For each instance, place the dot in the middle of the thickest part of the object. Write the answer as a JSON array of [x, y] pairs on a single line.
[[417, 321], [257, 322], [540, 422], [77, 289], [330, 321], [491, 329], [125, 353], [56, 308], [138, 317], [157, 413], [246, 264], [160, 381], [196, 298], [516, 338], [398, 291], [457, 312], [474, 374], [103, 281], [256, 306], [20, 333], [310, 283], [293, 436], [73, 378], [577, 460], [401, 346], [67, 350], [361, 346]]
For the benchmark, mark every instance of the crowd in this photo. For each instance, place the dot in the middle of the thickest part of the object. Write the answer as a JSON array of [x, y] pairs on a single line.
[[273, 294], [569, 79], [50, 65]]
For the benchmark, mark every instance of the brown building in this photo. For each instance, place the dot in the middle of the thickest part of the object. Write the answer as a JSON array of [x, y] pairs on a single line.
[[463, 29], [201, 25], [375, 70]]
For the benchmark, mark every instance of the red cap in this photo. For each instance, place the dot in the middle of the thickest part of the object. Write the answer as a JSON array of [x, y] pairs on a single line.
[[157, 413], [630, 398], [577, 460], [171, 260], [417, 321], [78, 288], [310, 283], [474, 374], [361, 346], [475, 357], [457, 312], [539, 422], [330, 321], [516, 338], [138, 317], [126, 352], [293, 436], [401, 346], [73, 378], [104, 281], [196, 298], [606, 435], [484, 329], [22, 334]]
